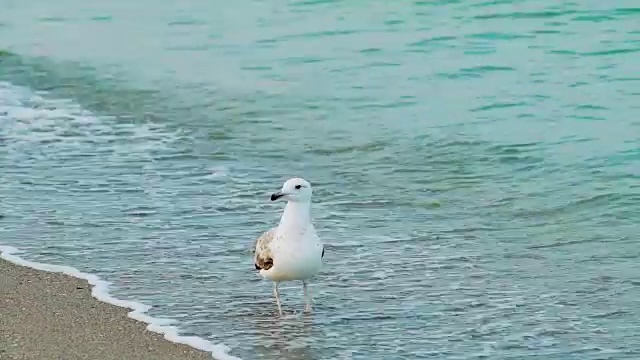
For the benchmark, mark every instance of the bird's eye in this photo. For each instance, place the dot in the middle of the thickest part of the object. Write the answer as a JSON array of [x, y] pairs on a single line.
[[298, 187]]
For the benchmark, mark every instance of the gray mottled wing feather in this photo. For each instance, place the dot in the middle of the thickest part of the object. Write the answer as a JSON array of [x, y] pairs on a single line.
[[262, 254]]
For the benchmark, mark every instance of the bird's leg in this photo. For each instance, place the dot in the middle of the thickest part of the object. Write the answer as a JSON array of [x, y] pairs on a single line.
[[277, 294], [307, 296]]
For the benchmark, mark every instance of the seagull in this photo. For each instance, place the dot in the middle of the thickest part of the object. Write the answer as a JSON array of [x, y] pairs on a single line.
[[292, 250]]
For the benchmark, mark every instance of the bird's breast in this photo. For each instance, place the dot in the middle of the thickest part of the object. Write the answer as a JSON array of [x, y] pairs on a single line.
[[297, 259]]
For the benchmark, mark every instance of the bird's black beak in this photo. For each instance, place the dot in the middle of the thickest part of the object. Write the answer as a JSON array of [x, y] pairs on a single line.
[[276, 195]]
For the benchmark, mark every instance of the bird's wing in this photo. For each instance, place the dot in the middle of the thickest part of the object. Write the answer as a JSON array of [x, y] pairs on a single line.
[[262, 254]]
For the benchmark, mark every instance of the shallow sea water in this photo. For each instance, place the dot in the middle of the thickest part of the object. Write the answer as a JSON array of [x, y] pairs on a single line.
[[476, 168]]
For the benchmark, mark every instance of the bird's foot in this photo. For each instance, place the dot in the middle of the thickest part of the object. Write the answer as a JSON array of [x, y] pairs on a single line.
[[308, 309]]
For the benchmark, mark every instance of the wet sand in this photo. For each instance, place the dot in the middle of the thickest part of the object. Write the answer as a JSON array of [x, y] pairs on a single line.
[[45, 316]]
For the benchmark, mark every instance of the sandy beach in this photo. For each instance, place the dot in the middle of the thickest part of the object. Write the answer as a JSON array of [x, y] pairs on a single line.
[[46, 316]]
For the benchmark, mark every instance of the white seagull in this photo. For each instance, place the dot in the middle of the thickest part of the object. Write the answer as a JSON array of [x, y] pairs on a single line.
[[292, 250]]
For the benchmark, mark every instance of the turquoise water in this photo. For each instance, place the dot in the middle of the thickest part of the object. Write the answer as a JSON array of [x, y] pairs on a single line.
[[476, 167]]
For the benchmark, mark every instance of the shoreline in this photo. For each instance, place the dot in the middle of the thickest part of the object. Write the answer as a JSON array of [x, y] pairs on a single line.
[[57, 312]]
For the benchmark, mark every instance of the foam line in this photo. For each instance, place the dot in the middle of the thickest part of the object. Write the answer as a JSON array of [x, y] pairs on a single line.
[[100, 291]]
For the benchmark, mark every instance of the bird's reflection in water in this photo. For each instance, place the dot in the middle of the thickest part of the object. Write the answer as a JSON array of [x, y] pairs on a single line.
[[284, 337]]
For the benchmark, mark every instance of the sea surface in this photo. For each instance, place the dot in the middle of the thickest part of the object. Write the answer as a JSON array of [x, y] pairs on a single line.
[[475, 164]]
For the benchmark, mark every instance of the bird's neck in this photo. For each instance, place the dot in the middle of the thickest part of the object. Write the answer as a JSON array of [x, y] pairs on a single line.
[[296, 217]]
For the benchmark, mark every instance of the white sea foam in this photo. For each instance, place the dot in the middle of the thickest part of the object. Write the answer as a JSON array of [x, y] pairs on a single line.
[[101, 292]]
